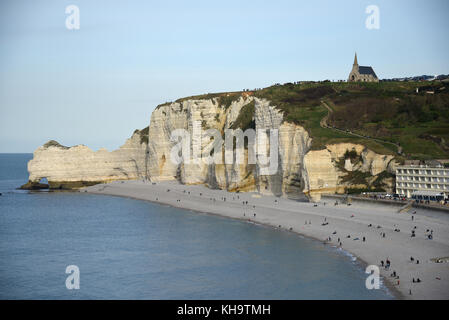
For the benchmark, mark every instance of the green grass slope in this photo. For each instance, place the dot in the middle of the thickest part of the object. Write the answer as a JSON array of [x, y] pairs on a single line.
[[385, 116]]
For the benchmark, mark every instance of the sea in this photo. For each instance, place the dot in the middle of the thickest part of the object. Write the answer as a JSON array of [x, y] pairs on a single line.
[[71, 245]]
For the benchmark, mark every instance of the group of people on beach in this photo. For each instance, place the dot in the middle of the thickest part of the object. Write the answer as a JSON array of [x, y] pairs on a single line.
[[387, 263]]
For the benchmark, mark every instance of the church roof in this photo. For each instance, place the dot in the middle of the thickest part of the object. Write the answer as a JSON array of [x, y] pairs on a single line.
[[367, 70]]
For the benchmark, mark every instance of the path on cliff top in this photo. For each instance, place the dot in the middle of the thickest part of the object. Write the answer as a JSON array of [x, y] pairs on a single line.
[[324, 124]]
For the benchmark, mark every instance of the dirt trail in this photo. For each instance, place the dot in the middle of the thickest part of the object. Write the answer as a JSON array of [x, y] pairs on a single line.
[[324, 124]]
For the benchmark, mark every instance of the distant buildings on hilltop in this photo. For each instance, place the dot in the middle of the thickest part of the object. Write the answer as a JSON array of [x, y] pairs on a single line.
[[441, 77], [367, 74]]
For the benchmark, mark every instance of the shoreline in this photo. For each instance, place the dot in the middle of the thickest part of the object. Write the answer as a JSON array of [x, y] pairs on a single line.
[[275, 212], [390, 288]]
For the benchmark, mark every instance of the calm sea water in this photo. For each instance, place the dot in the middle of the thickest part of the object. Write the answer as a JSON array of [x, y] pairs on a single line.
[[129, 249]]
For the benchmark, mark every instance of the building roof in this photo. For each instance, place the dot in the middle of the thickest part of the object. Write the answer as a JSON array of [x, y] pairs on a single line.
[[412, 162], [427, 193], [367, 70], [433, 163]]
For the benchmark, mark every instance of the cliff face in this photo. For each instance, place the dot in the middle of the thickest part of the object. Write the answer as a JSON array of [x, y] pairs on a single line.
[[208, 114], [300, 171], [345, 166], [294, 142], [68, 168]]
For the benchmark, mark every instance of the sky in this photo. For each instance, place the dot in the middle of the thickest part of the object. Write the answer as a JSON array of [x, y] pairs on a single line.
[[95, 85]]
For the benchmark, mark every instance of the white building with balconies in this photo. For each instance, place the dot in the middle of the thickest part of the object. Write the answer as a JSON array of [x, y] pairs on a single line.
[[422, 177]]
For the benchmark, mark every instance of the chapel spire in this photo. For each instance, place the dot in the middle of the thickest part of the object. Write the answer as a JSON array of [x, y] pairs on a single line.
[[355, 60]]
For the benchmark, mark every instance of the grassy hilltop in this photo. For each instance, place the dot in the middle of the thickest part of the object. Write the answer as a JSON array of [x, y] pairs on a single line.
[[387, 117]]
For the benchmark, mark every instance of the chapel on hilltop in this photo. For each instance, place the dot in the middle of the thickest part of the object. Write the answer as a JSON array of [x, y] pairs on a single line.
[[361, 73]]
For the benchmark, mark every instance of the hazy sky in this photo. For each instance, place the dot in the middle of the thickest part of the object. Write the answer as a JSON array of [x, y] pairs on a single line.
[[97, 84]]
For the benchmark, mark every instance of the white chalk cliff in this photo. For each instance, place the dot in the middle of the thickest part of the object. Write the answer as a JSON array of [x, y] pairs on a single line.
[[77, 166], [301, 171]]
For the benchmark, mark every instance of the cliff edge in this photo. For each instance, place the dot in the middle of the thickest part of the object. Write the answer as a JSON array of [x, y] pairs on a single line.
[[79, 166], [303, 172]]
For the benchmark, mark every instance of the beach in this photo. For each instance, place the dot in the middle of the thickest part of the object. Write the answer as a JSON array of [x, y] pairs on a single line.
[[386, 232]]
